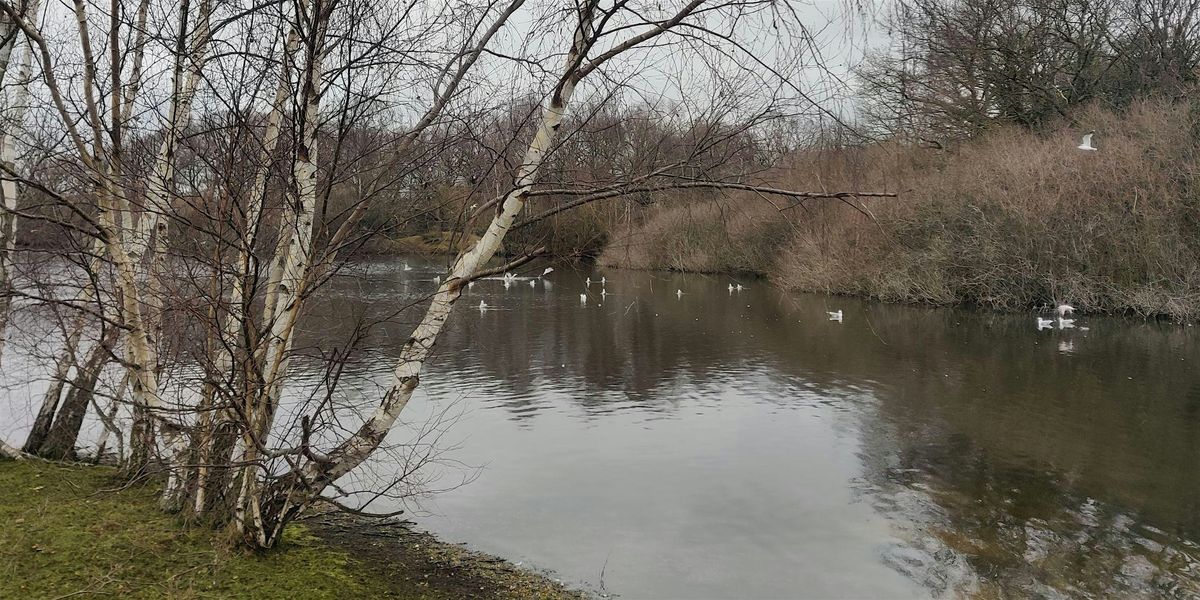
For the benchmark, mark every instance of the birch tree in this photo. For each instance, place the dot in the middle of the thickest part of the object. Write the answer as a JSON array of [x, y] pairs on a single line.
[[214, 237]]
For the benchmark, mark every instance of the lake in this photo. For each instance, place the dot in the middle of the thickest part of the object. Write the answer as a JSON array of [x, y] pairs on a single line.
[[718, 444]]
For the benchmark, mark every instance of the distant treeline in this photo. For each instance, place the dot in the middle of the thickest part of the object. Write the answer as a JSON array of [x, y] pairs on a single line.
[[976, 113]]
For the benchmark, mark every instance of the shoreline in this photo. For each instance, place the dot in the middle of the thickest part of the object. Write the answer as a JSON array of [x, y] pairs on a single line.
[[72, 529]]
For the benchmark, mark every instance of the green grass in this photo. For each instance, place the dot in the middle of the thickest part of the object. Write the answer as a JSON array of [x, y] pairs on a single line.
[[71, 532]]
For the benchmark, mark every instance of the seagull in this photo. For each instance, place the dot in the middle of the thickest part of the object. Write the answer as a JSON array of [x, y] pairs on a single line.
[[583, 298], [406, 267], [482, 306], [730, 288], [1044, 323], [1066, 323], [678, 293], [509, 276], [603, 280], [532, 283], [1064, 310], [507, 283], [603, 293], [835, 315], [1086, 144], [437, 278], [548, 271], [470, 284], [588, 281]]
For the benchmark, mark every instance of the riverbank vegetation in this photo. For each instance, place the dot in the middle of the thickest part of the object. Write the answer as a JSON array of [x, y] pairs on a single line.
[[1011, 220]]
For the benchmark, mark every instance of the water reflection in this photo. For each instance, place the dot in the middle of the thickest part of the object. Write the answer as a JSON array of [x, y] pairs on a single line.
[[994, 458]]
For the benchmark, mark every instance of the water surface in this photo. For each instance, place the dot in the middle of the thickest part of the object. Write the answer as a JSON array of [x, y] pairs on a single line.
[[720, 444]]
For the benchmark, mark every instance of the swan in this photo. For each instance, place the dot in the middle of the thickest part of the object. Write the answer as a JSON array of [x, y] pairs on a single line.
[[835, 315], [1086, 143]]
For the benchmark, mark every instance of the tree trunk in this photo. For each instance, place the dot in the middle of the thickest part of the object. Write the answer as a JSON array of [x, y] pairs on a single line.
[[287, 496], [8, 158], [64, 434]]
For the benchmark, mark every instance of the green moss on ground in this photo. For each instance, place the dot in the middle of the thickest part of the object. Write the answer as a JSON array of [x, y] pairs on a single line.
[[71, 531]]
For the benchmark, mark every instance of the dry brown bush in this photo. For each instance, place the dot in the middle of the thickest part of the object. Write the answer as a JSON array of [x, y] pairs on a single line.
[[1010, 221]]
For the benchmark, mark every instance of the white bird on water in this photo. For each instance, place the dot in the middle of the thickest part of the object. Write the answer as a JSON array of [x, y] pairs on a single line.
[[603, 280], [583, 298], [835, 315], [406, 267], [482, 306], [588, 282], [1064, 309], [532, 283], [603, 293], [1086, 144], [1066, 323], [678, 293], [1044, 323], [437, 278], [730, 288], [739, 287]]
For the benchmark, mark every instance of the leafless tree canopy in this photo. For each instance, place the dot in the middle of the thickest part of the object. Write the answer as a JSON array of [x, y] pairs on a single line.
[[189, 174]]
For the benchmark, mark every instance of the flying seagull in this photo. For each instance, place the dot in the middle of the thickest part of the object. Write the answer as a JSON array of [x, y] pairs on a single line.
[[1086, 144]]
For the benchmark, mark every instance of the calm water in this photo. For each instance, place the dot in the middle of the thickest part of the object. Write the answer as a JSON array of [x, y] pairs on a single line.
[[719, 445]]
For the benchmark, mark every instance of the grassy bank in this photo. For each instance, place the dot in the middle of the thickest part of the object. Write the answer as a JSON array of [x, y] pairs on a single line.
[[76, 531], [1012, 220]]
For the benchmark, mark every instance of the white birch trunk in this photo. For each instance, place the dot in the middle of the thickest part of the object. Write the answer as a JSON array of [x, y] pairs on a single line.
[[234, 318], [294, 259], [17, 108], [356, 449], [154, 235]]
